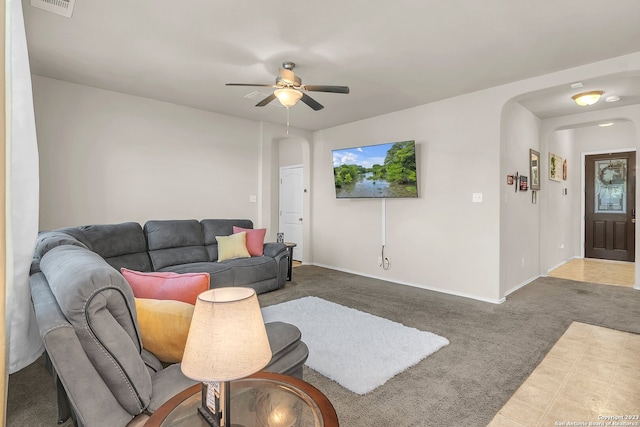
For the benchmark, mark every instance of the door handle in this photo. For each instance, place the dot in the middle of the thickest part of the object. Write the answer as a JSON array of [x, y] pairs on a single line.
[[300, 219], [633, 220]]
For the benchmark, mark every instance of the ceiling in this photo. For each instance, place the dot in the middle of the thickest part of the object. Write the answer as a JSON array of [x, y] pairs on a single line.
[[392, 54]]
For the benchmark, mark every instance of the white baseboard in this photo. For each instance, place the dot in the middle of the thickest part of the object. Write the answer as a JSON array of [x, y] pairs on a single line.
[[415, 285], [521, 285]]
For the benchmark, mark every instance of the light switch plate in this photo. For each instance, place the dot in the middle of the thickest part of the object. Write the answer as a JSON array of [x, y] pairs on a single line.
[[477, 198]]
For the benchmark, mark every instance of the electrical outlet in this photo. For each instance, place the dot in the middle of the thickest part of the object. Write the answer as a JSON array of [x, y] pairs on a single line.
[[562, 246]]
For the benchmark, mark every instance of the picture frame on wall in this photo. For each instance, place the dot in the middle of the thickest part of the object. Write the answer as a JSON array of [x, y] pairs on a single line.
[[523, 183], [555, 167], [534, 169]]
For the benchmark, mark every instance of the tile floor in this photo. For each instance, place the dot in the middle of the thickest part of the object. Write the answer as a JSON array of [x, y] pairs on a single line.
[[600, 271], [590, 374]]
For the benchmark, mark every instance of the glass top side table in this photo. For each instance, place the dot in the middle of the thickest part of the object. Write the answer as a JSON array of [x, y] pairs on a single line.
[[264, 399]]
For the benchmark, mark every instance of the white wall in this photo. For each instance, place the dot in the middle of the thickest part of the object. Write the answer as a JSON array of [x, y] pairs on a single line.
[[564, 213], [439, 241], [561, 222], [520, 225], [290, 150], [443, 241], [579, 132], [110, 157]]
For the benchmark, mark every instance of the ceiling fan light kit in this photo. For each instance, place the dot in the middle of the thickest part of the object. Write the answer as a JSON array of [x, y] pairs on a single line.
[[289, 89], [587, 98], [288, 97]]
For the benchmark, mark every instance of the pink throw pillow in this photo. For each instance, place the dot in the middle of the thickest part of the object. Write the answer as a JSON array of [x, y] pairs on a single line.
[[255, 239], [167, 285]]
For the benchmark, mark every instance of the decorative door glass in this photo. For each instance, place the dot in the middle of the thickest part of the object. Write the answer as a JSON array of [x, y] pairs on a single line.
[[611, 186]]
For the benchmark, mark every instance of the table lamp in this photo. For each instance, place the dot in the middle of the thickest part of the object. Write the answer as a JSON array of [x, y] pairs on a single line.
[[227, 341]]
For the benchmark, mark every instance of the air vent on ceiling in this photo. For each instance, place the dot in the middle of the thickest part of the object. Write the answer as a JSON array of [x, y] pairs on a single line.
[[59, 7]]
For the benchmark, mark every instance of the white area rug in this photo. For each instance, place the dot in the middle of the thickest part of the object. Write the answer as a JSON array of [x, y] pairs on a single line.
[[358, 350]]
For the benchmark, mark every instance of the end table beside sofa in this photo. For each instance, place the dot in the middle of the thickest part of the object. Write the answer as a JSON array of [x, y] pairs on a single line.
[[86, 312], [262, 399]]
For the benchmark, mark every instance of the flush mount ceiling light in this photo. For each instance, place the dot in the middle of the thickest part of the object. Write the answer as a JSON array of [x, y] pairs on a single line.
[[587, 98], [604, 125], [612, 98], [288, 97]]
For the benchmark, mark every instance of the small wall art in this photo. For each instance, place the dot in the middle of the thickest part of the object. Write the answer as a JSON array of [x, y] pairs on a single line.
[[565, 170], [555, 167], [523, 183], [534, 169]]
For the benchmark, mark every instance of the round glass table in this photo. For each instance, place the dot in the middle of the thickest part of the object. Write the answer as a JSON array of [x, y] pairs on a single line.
[[264, 399]]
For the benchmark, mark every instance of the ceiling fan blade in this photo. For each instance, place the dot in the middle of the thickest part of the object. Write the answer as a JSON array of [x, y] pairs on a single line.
[[324, 88], [265, 101], [311, 102], [251, 84]]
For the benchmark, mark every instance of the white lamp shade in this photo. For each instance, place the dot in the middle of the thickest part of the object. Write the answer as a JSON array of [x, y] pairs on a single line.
[[288, 97], [227, 339]]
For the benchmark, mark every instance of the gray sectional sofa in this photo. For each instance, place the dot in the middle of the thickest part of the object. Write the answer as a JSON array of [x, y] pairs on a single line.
[[87, 319], [180, 246]]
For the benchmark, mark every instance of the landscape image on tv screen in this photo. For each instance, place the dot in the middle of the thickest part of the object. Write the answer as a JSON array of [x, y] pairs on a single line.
[[371, 171]]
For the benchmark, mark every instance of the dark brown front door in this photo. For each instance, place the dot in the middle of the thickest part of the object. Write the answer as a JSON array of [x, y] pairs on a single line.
[[610, 187]]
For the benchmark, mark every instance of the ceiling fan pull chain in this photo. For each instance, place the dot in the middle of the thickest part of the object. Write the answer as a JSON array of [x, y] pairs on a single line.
[[287, 120]]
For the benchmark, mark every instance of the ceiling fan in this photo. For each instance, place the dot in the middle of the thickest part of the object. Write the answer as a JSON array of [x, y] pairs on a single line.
[[289, 89]]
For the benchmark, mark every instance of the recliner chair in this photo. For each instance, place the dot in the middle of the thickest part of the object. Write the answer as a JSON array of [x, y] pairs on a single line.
[[86, 315]]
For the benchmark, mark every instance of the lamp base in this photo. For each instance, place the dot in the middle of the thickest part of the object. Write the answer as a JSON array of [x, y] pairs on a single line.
[[206, 414], [214, 410]]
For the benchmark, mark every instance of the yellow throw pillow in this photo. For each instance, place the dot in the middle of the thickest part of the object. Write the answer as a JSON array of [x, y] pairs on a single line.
[[233, 246], [164, 326]]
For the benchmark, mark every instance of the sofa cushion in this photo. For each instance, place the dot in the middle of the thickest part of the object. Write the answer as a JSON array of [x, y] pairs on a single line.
[[121, 245], [220, 273], [167, 285], [111, 240], [174, 242], [233, 246], [247, 271], [99, 304], [255, 239], [219, 227], [166, 384], [164, 326]]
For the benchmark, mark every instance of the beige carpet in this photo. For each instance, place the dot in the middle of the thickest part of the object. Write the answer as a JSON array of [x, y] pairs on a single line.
[[493, 348]]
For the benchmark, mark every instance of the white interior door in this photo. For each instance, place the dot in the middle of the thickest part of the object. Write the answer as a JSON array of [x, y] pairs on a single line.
[[291, 215]]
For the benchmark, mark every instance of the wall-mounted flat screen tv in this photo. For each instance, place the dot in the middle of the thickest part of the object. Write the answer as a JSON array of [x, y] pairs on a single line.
[[376, 171]]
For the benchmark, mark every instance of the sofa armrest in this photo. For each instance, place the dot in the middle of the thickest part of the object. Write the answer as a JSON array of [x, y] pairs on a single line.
[[83, 384], [273, 249], [280, 254]]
